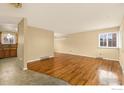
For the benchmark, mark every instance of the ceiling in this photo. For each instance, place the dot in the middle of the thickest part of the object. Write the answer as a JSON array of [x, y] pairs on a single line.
[[8, 27], [66, 18], [8, 23]]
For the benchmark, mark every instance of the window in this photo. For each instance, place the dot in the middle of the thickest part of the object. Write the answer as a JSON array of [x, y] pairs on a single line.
[[8, 38], [108, 40]]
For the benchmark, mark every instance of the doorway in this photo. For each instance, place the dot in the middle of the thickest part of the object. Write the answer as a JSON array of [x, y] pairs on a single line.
[[8, 44]]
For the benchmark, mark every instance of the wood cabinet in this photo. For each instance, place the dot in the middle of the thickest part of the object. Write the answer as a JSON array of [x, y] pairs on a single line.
[[1, 53], [13, 52], [8, 52]]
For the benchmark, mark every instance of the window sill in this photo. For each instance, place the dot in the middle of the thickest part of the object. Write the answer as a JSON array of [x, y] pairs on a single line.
[[109, 47]]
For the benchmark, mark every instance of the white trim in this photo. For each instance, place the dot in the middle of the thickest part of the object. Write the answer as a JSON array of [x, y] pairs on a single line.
[[38, 59], [102, 58], [109, 47], [33, 60], [88, 56], [51, 56], [25, 68], [105, 58], [120, 39], [111, 59]]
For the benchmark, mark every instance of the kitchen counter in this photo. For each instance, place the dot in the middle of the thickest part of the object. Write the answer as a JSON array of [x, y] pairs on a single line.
[[8, 52]]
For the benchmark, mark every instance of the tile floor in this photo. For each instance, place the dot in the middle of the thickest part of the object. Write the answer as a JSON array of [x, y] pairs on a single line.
[[11, 74]]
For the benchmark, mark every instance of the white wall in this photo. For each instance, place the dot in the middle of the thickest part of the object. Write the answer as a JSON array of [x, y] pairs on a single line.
[[86, 44], [38, 43], [20, 48], [33, 43], [122, 45]]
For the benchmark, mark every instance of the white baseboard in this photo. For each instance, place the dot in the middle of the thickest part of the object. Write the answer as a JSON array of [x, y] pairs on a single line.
[[25, 68], [88, 56], [38, 59], [33, 60], [111, 59], [51, 56]]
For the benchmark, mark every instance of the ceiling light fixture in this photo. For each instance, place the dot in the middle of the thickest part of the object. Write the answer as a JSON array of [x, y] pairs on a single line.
[[17, 5]]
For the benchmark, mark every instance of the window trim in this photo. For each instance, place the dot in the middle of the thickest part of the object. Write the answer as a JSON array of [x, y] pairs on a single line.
[[117, 43]]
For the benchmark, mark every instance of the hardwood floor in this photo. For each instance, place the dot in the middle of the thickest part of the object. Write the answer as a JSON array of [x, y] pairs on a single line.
[[78, 70]]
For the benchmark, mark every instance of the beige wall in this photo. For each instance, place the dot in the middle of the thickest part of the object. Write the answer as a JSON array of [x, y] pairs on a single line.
[[86, 44], [38, 43], [20, 49], [33, 43], [122, 45]]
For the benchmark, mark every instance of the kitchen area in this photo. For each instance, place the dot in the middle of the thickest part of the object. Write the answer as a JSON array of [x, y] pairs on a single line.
[[8, 41]]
